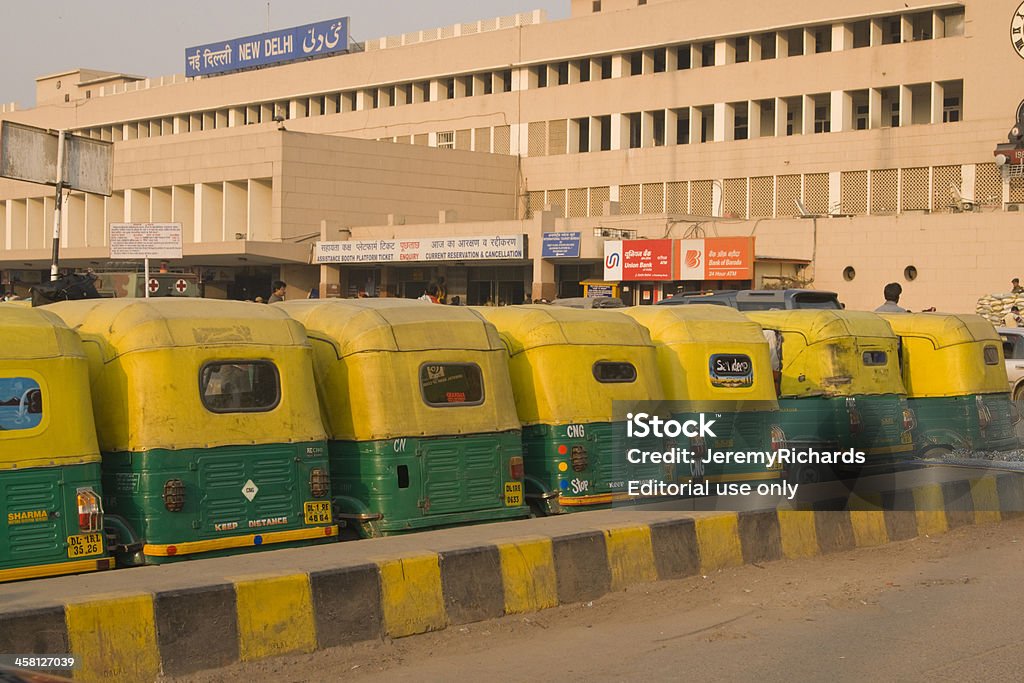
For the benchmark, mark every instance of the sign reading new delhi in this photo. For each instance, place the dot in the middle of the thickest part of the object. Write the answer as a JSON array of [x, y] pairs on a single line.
[[275, 47]]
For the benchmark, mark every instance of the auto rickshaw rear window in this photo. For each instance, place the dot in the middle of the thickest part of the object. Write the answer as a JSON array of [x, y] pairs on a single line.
[[451, 384], [991, 355], [611, 372], [21, 403], [875, 358], [240, 386]]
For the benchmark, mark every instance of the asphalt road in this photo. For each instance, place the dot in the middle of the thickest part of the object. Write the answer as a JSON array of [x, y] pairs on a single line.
[[942, 608]]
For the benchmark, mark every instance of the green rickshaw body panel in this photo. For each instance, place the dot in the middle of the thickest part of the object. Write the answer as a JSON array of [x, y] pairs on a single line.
[[740, 432], [955, 422], [584, 466], [415, 483], [824, 424], [39, 511], [217, 489]]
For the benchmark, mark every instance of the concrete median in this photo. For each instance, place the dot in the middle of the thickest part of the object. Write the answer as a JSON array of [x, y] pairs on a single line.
[[133, 625]]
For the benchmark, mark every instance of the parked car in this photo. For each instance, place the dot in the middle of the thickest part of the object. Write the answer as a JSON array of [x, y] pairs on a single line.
[[762, 299], [590, 302], [1013, 350]]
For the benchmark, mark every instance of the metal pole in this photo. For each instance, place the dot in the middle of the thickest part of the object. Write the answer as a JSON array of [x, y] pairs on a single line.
[[57, 206], [146, 261]]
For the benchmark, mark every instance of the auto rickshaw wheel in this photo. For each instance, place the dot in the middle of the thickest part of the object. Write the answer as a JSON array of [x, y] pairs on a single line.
[[810, 474], [936, 452]]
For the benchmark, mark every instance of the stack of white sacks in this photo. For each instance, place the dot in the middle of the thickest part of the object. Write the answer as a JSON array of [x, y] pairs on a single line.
[[994, 307]]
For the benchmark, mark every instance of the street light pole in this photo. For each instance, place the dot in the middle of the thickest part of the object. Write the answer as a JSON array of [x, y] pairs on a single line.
[[57, 206]]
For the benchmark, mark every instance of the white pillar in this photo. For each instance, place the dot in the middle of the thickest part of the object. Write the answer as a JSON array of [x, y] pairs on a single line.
[[781, 117], [938, 103], [842, 111], [874, 108]]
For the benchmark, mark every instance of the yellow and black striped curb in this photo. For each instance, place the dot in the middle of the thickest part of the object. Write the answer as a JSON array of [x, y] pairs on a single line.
[[137, 637]]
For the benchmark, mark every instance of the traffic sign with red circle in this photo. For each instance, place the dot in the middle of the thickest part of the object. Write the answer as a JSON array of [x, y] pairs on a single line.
[[181, 286], [154, 284]]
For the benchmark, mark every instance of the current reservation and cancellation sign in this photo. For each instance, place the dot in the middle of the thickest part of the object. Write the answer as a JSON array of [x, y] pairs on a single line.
[[485, 248], [145, 240]]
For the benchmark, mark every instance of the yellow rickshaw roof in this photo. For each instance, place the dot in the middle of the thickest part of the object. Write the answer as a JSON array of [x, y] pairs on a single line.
[[819, 325], [942, 329], [696, 323], [33, 333], [361, 325], [530, 327], [128, 325]]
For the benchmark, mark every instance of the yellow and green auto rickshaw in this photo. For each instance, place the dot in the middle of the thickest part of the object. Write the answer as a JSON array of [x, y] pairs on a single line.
[[713, 359], [569, 368], [840, 390], [420, 414], [208, 424], [956, 382], [51, 514]]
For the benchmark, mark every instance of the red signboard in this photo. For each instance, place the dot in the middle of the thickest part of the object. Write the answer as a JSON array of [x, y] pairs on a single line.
[[729, 258], [644, 260]]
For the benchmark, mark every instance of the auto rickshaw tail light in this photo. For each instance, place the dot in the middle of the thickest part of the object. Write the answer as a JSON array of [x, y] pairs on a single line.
[[515, 467], [984, 414], [851, 408], [580, 460], [778, 439], [90, 510], [319, 482], [909, 420], [174, 495]]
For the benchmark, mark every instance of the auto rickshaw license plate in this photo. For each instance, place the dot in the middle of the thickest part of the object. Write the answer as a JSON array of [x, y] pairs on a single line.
[[84, 545], [513, 493], [318, 512]]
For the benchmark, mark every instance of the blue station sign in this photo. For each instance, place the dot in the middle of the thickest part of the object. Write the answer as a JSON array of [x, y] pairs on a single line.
[[561, 245], [275, 47]]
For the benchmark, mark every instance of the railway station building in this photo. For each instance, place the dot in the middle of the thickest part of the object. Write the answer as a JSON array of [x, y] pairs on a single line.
[[640, 147]]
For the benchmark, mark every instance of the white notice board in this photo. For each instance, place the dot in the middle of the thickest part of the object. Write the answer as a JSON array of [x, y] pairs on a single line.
[[145, 240]]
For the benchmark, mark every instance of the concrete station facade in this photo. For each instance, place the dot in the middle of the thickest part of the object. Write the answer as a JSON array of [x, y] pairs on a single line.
[[853, 143]]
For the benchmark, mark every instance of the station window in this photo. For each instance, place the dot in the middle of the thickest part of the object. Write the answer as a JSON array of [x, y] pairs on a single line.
[[610, 372], [707, 54], [768, 46], [21, 403], [683, 57], [451, 384], [542, 75], [596, 5], [636, 63], [239, 386], [563, 73], [950, 109], [446, 139], [606, 68], [584, 66], [742, 49]]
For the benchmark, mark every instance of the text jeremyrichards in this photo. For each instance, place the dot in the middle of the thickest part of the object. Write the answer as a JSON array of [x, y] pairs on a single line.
[[642, 424]]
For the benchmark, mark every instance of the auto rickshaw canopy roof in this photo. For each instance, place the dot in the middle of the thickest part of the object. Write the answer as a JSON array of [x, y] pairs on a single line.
[[360, 325], [529, 327], [834, 353], [148, 359], [687, 337], [126, 325], [35, 345], [371, 356], [818, 325], [554, 355], [944, 354]]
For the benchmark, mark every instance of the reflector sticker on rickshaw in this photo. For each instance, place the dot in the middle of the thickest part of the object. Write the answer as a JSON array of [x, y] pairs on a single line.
[[84, 545], [513, 493], [451, 384], [21, 403], [731, 370], [317, 512]]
